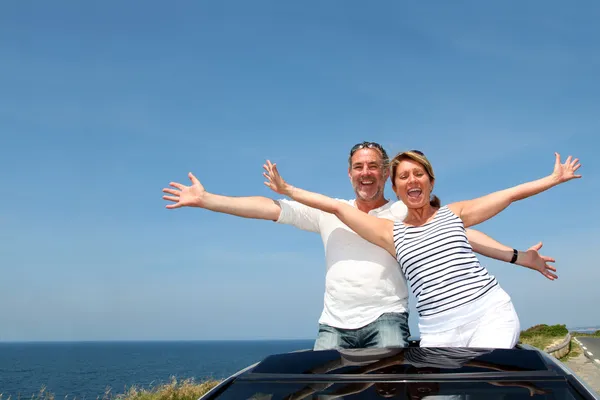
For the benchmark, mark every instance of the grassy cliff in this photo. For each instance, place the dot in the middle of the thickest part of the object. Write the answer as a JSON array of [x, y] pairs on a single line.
[[542, 335], [174, 390]]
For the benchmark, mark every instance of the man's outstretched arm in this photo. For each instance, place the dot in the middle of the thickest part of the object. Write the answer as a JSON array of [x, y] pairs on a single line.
[[531, 258], [256, 207]]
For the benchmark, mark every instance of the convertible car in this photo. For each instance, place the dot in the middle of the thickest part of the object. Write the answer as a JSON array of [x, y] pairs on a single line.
[[406, 373]]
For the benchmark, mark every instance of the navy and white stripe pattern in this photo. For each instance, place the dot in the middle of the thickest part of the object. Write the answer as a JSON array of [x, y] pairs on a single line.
[[438, 262], [447, 358]]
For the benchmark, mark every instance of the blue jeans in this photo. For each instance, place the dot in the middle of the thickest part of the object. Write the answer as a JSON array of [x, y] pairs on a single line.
[[389, 330]]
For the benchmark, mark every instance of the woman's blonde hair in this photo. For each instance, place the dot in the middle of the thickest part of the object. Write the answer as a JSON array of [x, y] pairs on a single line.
[[419, 157]]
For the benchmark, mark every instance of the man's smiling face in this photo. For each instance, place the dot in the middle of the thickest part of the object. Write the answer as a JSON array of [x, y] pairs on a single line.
[[368, 174]]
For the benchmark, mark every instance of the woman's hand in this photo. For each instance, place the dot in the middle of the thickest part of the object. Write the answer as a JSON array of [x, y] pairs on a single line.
[[274, 180], [565, 172], [534, 260]]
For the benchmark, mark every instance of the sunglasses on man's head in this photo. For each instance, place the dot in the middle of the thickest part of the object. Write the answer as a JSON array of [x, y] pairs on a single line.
[[366, 145], [419, 152]]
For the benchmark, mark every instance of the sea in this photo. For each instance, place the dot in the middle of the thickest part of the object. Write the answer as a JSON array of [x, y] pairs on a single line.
[[89, 370], [584, 329]]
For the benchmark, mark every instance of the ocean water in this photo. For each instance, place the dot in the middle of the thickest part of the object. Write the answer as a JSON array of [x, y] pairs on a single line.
[[87, 369], [585, 329]]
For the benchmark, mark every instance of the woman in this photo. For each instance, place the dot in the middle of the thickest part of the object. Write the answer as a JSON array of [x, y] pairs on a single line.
[[459, 303]]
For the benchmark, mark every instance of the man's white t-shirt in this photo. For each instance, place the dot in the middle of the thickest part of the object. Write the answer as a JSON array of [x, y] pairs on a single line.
[[362, 280]]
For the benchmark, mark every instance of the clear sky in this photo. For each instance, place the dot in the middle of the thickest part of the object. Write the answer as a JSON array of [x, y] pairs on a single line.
[[103, 103]]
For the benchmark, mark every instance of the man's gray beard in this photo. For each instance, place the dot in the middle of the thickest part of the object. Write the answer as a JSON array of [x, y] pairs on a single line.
[[375, 196]]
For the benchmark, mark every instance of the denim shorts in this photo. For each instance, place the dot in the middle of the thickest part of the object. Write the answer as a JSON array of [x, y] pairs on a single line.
[[389, 330]]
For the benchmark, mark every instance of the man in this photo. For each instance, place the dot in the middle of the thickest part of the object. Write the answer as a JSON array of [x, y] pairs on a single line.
[[366, 296]]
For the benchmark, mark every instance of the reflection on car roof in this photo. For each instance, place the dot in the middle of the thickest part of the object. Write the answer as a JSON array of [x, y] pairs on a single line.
[[360, 361]]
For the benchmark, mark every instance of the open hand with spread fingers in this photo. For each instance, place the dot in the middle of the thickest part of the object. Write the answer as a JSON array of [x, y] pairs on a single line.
[[534, 260], [185, 196], [274, 180], [565, 172]]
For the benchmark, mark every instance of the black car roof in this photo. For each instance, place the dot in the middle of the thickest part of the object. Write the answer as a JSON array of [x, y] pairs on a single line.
[[455, 360], [404, 366]]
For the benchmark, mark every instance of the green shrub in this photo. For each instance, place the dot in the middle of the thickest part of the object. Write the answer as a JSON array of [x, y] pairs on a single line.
[[545, 330]]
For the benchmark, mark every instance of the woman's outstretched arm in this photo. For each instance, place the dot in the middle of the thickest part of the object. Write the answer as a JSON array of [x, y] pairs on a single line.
[[475, 211], [378, 231]]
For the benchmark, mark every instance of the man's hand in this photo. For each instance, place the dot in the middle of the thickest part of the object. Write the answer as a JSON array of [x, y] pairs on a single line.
[[185, 196], [534, 260]]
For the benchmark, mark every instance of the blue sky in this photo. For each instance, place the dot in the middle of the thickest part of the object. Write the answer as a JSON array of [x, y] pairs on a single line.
[[104, 103]]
